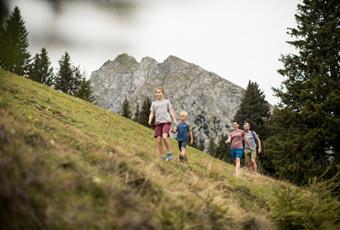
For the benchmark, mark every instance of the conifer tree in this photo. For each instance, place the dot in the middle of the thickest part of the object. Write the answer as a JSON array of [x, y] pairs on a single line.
[[254, 109], [14, 56], [84, 91], [222, 149], [201, 144], [195, 142], [41, 69], [305, 128], [212, 147], [126, 111], [3, 11], [68, 78], [145, 112], [136, 113]]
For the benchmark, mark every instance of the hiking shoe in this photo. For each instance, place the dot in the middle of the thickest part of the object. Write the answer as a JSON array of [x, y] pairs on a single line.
[[169, 157], [185, 158], [162, 157], [180, 158]]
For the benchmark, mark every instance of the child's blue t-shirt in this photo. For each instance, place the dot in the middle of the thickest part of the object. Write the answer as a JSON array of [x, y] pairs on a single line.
[[183, 131]]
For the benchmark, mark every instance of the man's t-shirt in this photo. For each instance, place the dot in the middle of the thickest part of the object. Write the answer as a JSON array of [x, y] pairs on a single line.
[[236, 139], [183, 131], [161, 109], [250, 139]]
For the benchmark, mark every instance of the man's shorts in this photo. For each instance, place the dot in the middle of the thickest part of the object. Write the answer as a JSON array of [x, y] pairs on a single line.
[[236, 153], [249, 154], [182, 144], [162, 128]]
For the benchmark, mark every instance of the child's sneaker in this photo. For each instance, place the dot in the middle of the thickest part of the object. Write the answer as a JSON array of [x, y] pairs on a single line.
[[169, 157]]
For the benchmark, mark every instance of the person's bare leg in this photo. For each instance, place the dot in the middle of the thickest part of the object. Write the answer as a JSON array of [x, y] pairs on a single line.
[[183, 152], [250, 167], [184, 155], [248, 161], [254, 166], [167, 143], [160, 146], [237, 167]]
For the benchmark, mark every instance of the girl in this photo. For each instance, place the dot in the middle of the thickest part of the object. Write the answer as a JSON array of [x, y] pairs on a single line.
[[162, 110]]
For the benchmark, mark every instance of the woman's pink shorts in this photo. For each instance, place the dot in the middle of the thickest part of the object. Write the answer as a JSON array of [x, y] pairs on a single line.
[[162, 128]]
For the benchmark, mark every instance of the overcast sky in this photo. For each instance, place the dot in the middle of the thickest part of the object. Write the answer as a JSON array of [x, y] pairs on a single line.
[[239, 40]]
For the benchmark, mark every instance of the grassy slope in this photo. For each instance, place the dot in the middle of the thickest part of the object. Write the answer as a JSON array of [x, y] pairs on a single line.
[[66, 162]]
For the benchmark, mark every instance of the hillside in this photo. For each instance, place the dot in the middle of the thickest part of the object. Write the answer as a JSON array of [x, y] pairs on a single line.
[[68, 164]]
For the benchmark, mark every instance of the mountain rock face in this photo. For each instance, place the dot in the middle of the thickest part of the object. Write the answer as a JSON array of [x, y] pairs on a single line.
[[210, 100]]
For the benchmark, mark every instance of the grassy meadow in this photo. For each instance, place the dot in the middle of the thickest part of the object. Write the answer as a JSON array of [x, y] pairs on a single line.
[[68, 164]]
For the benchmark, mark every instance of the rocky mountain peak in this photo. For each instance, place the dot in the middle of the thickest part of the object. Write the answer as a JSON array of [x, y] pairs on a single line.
[[125, 60], [175, 63], [146, 61]]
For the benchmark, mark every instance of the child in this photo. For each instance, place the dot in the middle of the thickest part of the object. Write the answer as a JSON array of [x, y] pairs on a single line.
[[161, 109], [183, 131], [236, 138]]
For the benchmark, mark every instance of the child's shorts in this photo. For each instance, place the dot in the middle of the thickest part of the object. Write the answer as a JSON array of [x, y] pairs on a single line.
[[182, 144], [162, 128], [236, 153]]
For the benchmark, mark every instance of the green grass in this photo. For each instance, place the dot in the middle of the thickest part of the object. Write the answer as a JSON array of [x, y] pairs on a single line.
[[66, 163]]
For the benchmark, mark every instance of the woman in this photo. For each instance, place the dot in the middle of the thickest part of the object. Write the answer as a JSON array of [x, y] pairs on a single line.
[[236, 138]]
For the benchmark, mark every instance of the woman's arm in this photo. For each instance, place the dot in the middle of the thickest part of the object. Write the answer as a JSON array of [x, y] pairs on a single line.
[[228, 140]]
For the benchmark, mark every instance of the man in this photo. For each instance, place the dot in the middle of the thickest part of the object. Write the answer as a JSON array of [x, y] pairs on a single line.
[[253, 143]]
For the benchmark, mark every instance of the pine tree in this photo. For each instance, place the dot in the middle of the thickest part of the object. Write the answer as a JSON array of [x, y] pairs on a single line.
[[145, 112], [222, 149], [201, 144], [69, 77], [65, 74], [14, 56], [136, 113], [3, 11], [126, 112], [212, 147], [77, 79], [84, 91], [195, 142], [254, 109], [306, 125], [41, 70]]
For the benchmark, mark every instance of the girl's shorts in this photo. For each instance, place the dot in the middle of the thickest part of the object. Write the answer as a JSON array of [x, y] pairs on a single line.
[[162, 128]]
